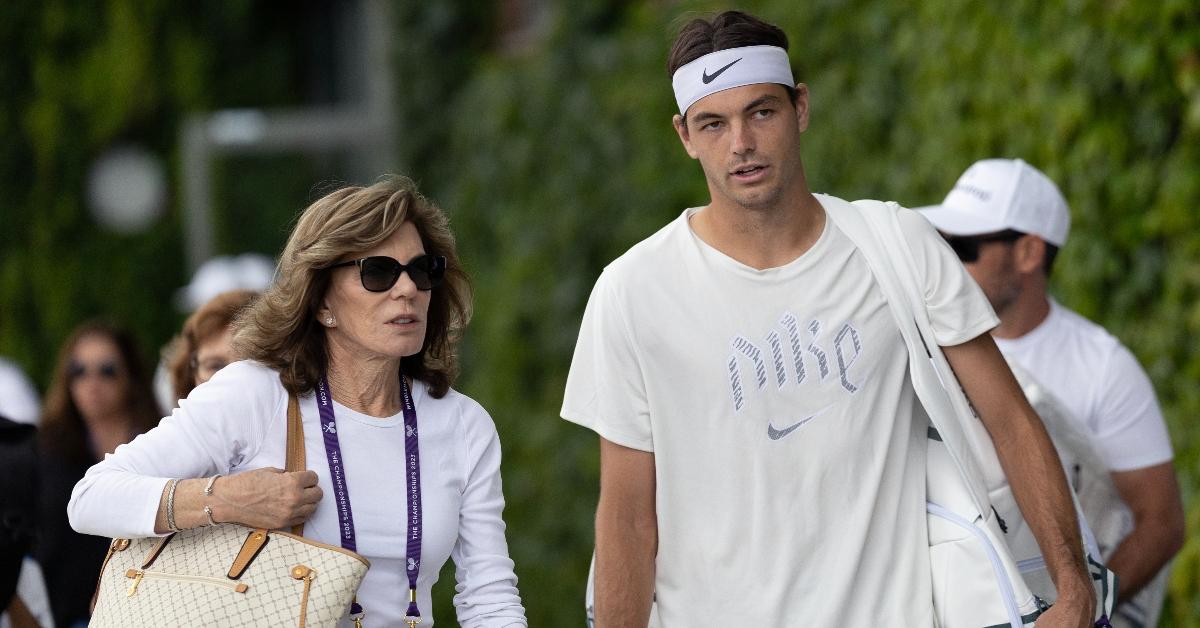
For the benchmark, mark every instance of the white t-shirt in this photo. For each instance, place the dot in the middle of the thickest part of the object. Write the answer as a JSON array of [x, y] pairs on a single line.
[[790, 471], [1100, 383], [237, 421]]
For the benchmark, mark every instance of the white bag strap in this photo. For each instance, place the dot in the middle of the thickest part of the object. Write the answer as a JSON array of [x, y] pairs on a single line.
[[874, 228]]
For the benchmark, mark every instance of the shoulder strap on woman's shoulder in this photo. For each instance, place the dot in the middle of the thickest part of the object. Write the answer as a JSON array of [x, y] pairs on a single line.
[[295, 437], [295, 445]]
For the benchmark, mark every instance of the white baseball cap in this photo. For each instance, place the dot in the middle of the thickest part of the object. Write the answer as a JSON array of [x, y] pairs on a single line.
[[998, 194], [249, 271]]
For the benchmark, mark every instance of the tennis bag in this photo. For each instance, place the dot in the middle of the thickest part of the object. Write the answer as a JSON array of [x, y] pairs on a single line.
[[1108, 518], [977, 580], [229, 574]]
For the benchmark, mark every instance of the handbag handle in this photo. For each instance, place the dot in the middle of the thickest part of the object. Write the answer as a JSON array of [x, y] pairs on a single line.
[[256, 539], [294, 461], [295, 446]]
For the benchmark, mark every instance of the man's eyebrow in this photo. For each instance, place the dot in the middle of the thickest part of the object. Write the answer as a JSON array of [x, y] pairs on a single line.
[[760, 101], [705, 115], [754, 104]]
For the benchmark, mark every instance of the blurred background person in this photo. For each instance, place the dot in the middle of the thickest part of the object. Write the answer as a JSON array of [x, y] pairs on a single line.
[[205, 345], [1007, 220], [18, 398], [99, 398], [23, 600], [250, 272]]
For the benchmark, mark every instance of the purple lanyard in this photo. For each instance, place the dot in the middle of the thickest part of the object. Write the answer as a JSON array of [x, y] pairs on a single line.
[[412, 487]]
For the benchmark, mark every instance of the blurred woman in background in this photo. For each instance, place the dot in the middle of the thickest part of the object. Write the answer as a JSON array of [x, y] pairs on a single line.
[[99, 398], [205, 345]]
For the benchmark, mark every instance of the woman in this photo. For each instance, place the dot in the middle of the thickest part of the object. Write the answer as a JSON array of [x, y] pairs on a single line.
[[205, 345], [99, 398], [366, 309]]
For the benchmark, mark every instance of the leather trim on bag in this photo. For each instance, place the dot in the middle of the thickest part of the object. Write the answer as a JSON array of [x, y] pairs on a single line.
[[158, 548], [117, 545], [335, 548], [255, 542], [295, 446]]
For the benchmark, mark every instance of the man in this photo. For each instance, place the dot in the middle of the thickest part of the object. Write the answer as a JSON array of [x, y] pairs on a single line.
[[760, 463], [1007, 221]]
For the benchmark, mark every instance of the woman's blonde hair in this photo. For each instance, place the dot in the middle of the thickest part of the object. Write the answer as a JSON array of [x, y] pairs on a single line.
[[281, 329]]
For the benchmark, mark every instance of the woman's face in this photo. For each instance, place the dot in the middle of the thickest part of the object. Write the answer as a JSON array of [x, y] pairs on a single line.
[[389, 324], [213, 355], [99, 378]]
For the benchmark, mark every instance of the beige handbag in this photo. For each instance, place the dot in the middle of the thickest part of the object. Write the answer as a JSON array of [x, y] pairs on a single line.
[[229, 575]]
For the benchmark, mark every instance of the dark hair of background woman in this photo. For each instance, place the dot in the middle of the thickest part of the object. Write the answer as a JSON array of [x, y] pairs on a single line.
[[62, 430]]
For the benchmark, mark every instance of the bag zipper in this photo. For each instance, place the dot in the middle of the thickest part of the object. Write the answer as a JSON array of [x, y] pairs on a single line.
[[1007, 595], [137, 575]]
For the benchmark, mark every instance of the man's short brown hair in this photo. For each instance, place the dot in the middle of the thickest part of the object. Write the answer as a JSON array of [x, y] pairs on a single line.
[[731, 29]]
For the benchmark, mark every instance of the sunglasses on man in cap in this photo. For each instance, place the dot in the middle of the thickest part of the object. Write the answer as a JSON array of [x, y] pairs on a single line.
[[967, 247]]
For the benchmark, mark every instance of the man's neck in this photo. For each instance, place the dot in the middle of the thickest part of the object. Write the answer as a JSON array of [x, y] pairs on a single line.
[[365, 384], [763, 237], [1024, 315]]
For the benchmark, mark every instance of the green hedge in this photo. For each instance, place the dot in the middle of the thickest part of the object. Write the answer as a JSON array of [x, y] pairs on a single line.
[[556, 159], [554, 156]]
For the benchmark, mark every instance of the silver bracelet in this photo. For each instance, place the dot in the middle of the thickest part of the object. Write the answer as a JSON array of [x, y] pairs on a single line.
[[171, 507], [208, 491]]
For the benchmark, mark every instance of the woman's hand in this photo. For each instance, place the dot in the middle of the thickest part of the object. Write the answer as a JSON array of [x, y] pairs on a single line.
[[266, 498]]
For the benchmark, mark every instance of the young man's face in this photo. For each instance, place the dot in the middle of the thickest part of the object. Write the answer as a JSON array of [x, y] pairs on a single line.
[[747, 140]]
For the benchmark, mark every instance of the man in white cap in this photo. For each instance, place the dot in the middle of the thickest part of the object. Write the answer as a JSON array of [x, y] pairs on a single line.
[[1006, 220], [762, 462]]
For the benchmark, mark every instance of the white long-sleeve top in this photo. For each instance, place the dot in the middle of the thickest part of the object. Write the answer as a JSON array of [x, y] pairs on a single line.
[[238, 422]]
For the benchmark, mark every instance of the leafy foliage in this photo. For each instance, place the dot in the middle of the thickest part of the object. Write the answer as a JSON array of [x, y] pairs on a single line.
[[556, 155]]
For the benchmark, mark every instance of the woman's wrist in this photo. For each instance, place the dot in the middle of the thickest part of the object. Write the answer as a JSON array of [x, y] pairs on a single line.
[[186, 504], [223, 509]]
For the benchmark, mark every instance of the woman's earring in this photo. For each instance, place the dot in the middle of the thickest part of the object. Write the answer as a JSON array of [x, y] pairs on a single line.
[[329, 321]]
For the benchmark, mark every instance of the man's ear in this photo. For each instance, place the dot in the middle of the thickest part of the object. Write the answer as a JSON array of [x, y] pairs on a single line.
[[681, 129], [1029, 254], [801, 104]]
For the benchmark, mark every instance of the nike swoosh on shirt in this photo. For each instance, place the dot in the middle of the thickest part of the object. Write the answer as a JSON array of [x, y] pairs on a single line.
[[776, 434], [708, 78]]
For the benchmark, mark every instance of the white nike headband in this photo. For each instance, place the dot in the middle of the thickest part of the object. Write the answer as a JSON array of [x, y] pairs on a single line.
[[730, 68]]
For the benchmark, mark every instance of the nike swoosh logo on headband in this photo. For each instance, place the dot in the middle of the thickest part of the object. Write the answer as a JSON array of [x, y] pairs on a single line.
[[708, 78]]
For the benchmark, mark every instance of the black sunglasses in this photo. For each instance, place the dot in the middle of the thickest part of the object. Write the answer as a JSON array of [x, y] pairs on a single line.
[[106, 370], [967, 247], [380, 272]]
